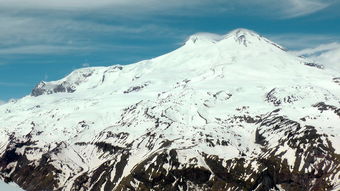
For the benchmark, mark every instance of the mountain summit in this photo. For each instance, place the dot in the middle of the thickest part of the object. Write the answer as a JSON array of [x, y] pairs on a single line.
[[222, 112], [240, 52], [240, 36]]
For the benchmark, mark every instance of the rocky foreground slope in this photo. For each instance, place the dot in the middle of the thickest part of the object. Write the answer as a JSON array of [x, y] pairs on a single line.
[[231, 112]]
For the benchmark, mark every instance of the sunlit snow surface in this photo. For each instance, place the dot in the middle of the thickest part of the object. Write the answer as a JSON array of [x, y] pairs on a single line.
[[196, 89], [9, 187]]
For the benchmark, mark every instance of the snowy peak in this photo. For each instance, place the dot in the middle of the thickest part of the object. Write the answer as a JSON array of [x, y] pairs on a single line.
[[204, 56], [243, 37], [68, 84], [243, 31], [248, 38], [203, 38], [239, 35]]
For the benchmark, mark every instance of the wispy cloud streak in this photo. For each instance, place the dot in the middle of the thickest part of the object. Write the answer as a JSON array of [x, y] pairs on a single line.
[[287, 8], [299, 41], [326, 54], [296, 8], [28, 27], [14, 84]]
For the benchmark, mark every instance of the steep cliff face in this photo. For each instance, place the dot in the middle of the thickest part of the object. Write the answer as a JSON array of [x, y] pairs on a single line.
[[232, 112]]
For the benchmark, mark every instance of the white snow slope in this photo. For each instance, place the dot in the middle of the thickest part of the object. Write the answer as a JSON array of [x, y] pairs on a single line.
[[9, 187], [197, 93]]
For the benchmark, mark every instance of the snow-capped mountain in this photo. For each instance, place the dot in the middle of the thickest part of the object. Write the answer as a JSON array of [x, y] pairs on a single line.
[[231, 112]]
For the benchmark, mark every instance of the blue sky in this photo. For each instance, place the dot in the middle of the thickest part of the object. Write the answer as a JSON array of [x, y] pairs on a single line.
[[46, 40]]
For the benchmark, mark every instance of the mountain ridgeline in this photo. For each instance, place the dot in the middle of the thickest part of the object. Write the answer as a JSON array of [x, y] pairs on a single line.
[[222, 112]]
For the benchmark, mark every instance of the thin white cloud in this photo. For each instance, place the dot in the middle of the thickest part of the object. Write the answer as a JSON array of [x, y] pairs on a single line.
[[331, 59], [117, 6], [40, 49], [2, 102], [319, 49], [30, 29], [299, 41], [325, 54], [281, 8], [14, 84], [60, 4], [322, 49], [85, 65], [59, 49], [49, 35], [296, 8], [53, 27]]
